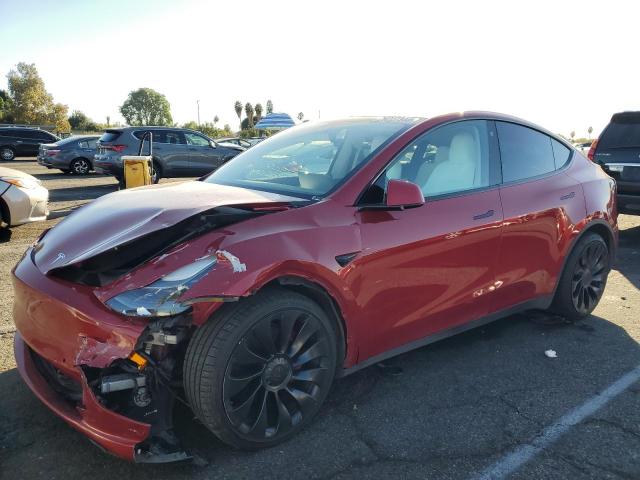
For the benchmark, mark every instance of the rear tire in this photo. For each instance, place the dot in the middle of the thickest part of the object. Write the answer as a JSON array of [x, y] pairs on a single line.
[[583, 279], [259, 373], [80, 166], [7, 154], [156, 172]]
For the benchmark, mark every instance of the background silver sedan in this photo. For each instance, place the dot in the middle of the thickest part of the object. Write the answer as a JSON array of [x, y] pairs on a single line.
[[23, 199]]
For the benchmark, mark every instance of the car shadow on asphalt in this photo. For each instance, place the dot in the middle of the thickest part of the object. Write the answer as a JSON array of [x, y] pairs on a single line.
[[5, 234], [58, 175], [628, 256], [81, 193], [464, 400]]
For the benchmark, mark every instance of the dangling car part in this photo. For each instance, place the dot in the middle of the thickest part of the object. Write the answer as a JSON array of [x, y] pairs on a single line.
[[321, 250]]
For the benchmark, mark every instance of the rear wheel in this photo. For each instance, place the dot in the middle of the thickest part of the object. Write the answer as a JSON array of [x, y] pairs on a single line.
[[584, 278], [80, 166], [7, 153], [260, 373], [156, 172]]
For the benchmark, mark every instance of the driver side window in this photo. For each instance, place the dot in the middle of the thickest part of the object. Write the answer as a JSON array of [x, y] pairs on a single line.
[[450, 159]]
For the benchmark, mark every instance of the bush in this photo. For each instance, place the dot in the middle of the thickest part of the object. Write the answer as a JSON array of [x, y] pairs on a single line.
[[209, 129]]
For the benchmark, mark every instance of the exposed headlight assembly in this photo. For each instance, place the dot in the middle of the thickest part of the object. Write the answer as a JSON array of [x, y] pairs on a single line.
[[159, 298]]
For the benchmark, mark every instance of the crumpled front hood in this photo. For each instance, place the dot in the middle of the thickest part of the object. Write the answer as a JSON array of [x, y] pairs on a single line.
[[123, 216]]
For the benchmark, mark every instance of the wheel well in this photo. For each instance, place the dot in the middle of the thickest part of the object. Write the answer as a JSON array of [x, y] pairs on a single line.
[[81, 158], [320, 296], [604, 232], [5, 215]]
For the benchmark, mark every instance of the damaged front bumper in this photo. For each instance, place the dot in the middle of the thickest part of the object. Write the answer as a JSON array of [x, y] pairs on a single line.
[[73, 352]]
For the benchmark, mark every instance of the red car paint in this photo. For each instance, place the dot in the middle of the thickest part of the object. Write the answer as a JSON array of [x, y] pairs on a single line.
[[418, 273]]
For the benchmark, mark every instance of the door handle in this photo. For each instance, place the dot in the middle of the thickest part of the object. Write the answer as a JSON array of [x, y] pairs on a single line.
[[487, 214], [568, 196]]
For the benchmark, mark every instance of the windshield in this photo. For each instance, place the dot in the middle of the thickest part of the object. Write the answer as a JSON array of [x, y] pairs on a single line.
[[309, 160]]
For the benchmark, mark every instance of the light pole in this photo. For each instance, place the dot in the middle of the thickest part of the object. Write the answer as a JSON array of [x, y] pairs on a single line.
[[198, 102]]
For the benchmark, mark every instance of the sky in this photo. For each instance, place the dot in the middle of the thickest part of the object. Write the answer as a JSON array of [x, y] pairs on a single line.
[[565, 65]]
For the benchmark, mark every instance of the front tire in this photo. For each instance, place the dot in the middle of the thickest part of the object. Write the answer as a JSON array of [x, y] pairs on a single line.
[[7, 154], [584, 278], [259, 373]]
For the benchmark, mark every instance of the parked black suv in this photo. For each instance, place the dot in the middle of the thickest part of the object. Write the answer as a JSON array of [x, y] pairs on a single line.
[[177, 152], [618, 152], [22, 141]]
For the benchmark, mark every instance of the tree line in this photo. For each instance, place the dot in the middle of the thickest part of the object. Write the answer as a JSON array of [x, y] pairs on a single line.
[[26, 101]]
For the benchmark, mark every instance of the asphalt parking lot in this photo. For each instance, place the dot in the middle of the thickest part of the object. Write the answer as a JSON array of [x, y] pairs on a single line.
[[481, 402]]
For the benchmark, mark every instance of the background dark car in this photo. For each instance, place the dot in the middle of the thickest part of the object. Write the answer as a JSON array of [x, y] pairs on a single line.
[[618, 152], [23, 141], [71, 155], [177, 152]]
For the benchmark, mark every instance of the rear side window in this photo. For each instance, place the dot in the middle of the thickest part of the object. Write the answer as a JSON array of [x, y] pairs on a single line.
[[561, 153], [110, 136], [47, 137], [621, 133], [525, 152], [26, 134], [92, 143]]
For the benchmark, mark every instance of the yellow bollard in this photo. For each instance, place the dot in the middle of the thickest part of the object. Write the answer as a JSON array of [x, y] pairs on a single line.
[[137, 170]]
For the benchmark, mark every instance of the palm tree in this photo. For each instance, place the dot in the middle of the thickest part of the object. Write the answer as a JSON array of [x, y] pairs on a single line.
[[301, 116], [258, 112], [248, 109], [216, 119], [590, 130], [238, 107], [269, 107]]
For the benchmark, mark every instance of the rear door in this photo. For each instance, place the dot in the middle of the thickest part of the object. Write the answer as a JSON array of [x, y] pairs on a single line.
[[27, 142], [618, 151], [541, 203]]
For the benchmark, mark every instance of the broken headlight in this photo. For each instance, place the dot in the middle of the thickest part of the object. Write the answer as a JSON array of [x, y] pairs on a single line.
[[159, 298]]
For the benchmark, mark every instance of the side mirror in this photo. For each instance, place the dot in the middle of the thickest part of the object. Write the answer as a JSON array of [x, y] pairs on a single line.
[[212, 144], [402, 194]]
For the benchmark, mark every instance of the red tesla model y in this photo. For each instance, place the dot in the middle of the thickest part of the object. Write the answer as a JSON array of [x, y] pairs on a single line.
[[319, 251]]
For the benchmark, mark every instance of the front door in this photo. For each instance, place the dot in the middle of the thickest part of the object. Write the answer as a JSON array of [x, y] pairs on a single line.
[[429, 269], [203, 158]]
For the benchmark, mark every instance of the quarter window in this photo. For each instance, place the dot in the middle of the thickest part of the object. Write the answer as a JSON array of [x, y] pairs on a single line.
[[525, 152], [561, 153]]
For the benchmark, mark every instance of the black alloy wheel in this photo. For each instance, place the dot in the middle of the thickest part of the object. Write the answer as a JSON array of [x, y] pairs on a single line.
[[589, 277], [583, 279], [276, 374], [259, 371]]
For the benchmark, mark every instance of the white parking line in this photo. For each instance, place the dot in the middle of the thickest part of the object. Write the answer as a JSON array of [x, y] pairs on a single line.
[[522, 454]]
